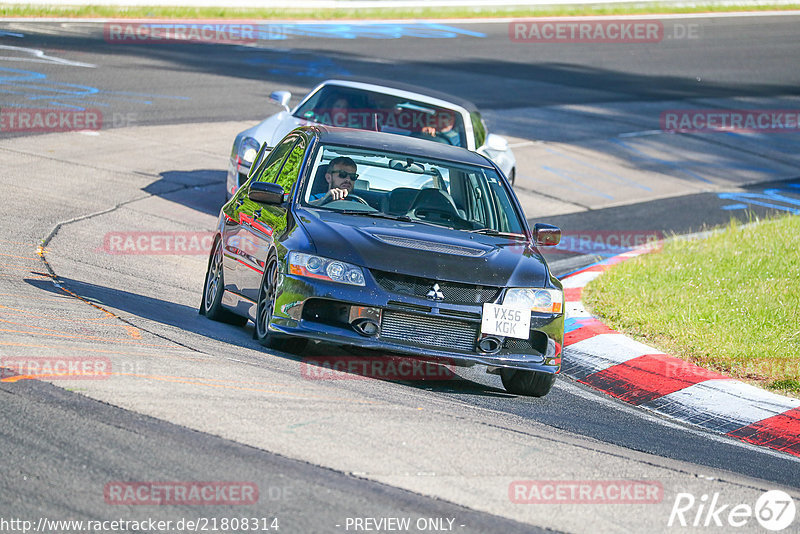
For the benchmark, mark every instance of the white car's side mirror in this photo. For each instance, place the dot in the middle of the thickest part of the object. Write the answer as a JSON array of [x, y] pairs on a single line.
[[496, 142], [282, 98]]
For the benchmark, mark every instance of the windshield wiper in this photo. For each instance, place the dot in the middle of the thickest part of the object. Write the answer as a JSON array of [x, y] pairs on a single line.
[[382, 215], [404, 218], [492, 231]]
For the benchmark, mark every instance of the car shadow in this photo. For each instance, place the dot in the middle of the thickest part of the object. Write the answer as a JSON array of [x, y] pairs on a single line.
[[321, 361], [202, 190]]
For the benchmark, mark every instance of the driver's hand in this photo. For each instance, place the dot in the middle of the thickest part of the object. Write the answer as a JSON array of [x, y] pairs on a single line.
[[338, 194], [429, 130]]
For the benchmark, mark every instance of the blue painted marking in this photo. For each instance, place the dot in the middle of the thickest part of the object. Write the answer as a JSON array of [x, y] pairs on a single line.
[[565, 174], [321, 68], [659, 160], [34, 86], [731, 207], [777, 142], [769, 198], [4, 33], [602, 171], [570, 325], [367, 30]]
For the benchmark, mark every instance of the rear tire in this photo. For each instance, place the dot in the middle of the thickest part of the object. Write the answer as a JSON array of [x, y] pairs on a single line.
[[529, 383], [264, 310], [213, 288]]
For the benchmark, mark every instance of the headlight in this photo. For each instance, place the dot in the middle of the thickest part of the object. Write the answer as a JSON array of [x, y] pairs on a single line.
[[538, 300], [248, 150], [325, 269]]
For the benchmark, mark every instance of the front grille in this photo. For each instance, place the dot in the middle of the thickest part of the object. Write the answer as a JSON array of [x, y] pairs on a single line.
[[454, 292], [429, 330], [517, 345]]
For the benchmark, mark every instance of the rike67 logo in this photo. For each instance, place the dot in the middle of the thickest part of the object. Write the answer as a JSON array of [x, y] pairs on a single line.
[[774, 510]]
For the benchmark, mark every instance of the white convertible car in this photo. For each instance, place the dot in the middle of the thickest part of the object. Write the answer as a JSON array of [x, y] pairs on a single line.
[[403, 110]]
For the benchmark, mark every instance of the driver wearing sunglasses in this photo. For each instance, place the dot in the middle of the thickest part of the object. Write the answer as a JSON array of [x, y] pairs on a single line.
[[341, 177]]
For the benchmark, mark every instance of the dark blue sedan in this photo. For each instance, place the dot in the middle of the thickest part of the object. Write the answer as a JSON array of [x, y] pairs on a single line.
[[390, 243]]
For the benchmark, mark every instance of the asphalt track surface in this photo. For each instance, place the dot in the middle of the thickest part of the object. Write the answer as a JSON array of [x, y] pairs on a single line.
[[61, 447]]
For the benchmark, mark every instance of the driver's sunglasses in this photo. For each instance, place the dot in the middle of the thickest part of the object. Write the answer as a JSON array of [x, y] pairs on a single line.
[[345, 174]]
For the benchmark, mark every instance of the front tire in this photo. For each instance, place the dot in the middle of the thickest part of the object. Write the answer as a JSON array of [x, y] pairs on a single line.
[[528, 383], [265, 308], [213, 288]]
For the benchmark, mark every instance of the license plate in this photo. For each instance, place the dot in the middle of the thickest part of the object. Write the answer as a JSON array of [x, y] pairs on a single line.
[[506, 321]]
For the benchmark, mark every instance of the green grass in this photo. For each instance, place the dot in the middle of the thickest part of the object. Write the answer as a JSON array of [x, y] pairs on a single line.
[[729, 303], [9, 10]]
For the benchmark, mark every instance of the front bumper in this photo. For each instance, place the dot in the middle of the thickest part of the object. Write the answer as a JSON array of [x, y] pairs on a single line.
[[409, 325], [237, 176]]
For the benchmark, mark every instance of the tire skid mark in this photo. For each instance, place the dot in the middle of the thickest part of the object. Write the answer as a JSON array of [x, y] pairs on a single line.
[[207, 383], [84, 337], [158, 355]]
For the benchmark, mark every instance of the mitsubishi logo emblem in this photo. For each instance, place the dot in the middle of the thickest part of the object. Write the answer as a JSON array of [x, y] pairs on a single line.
[[435, 293]]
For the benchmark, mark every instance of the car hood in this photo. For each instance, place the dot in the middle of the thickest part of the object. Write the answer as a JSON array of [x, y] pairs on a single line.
[[274, 128], [424, 250]]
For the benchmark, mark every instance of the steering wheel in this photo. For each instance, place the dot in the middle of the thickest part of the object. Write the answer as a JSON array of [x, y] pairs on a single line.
[[328, 198]]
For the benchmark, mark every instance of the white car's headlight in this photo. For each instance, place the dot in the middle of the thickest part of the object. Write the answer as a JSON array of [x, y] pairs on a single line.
[[248, 150], [538, 300], [325, 269]]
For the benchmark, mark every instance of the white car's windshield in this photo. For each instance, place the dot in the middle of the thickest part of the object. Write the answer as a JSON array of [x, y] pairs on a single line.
[[348, 107], [385, 184]]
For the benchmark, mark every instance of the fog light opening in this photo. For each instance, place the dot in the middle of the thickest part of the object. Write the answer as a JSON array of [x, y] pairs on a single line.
[[366, 327], [490, 344]]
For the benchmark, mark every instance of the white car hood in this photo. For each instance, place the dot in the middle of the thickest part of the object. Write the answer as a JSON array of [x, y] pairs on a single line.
[[274, 128]]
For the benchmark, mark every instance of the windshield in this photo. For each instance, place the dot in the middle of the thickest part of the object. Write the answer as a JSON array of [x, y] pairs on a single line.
[[347, 107], [412, 188]]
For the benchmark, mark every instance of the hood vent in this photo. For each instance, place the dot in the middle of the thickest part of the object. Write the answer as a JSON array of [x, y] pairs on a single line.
[[430, 246]]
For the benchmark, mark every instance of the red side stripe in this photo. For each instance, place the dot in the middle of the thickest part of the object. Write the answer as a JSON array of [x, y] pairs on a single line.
[[593, 328], [648, 377], [779, 432]]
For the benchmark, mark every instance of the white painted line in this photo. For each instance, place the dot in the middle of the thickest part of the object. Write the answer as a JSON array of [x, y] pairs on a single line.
[[485, 20], [580, 279], [524, 143], [575, 310], [40, 57], [603, 398], [729, 400], [641, 134]]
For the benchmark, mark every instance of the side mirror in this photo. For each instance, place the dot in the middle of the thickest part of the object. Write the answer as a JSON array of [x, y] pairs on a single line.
[[546, 235], [496, 142], [282, 98], [266, 193]]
